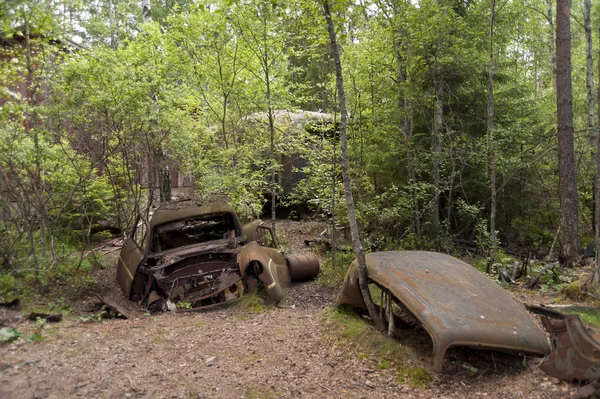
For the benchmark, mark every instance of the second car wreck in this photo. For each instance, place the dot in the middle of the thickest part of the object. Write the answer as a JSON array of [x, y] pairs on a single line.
[[202, 255], [455, 303]]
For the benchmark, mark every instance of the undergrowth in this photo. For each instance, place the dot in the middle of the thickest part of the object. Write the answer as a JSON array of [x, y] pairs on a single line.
[[55, 283], [385, 352], [332, 275], [252, 302]]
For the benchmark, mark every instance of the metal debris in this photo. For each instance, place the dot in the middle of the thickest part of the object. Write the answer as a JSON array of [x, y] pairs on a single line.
[[120, 312], [575, 354], [50, 318], [15, 304]]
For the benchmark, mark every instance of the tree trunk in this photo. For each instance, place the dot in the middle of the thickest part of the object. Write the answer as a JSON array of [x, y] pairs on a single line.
[[597, 271], [146, 15], [111, 23], [436, 150], [162, 174], [551, 42], [589, 83], [405, 109], [490, 133], [266, 68], [362, 266], [570, 242]]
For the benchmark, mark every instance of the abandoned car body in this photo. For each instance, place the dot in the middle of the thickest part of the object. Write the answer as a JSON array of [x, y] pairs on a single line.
[[202, 256], [575, 352], [455, 303]]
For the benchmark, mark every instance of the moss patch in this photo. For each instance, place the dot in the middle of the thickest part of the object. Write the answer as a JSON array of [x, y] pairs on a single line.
[[416, 377], [261, 393], [367, 342]]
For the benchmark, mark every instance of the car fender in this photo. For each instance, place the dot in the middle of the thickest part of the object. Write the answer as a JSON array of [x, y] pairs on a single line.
[[252, 252]]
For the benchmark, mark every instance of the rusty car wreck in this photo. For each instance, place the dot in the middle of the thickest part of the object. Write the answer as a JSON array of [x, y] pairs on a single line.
[[202, 255], [455, 303], [575, 353]]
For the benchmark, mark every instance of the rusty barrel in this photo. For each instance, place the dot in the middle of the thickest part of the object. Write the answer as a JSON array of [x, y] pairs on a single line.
[[303, 267]]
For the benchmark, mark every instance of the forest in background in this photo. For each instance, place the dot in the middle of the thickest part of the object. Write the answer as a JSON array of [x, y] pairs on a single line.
[[99, 98]]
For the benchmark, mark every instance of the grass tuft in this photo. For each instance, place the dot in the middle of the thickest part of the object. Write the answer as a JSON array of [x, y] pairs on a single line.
[[253, 302], [366, 340], [416, 377], [333, 275], [574, 291], [588, 314]]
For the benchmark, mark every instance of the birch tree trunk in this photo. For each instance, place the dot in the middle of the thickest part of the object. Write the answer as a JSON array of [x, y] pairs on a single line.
[[146, 16], [570, 242], [111, 23], [490, 132], [362, 267]]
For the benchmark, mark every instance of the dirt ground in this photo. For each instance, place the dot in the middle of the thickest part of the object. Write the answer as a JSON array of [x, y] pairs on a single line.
[[290, 350]]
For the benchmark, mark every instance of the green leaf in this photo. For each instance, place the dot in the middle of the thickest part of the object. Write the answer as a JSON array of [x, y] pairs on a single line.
[[8, 334]]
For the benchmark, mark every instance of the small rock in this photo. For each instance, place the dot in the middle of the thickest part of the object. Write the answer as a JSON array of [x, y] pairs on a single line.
[[210, 360], [370, 384]]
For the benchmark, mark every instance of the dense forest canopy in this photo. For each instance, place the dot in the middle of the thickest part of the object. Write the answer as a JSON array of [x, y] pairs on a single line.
[[99, 102]]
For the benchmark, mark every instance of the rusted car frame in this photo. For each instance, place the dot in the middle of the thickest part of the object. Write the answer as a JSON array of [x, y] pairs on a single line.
[[455, 303], [201, 255], [575, 353]]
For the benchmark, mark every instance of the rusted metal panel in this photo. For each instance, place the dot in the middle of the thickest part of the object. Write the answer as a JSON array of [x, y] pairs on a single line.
[[250, 229], [575, 353], [119, 310], [129, 259], [253, 254], [455, 303]]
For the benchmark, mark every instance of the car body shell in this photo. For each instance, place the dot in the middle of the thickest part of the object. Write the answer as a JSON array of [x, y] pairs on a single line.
[[454, 302], [160, 261]]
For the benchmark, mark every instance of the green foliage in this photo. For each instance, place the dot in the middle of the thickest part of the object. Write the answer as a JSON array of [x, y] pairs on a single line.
[[7, 285], [588, 314], [93, 318], [416, 377], [8, 334], [574, 290], [253, 302], [384, 365], [365, 340], [195, 90], [332, 275], [37, 336]]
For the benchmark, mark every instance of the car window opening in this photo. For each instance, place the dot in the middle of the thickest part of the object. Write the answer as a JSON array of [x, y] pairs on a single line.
[[193, 231]]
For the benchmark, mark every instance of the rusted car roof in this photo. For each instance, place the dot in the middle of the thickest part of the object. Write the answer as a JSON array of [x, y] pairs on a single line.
[[454, 302], [162, 216]]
